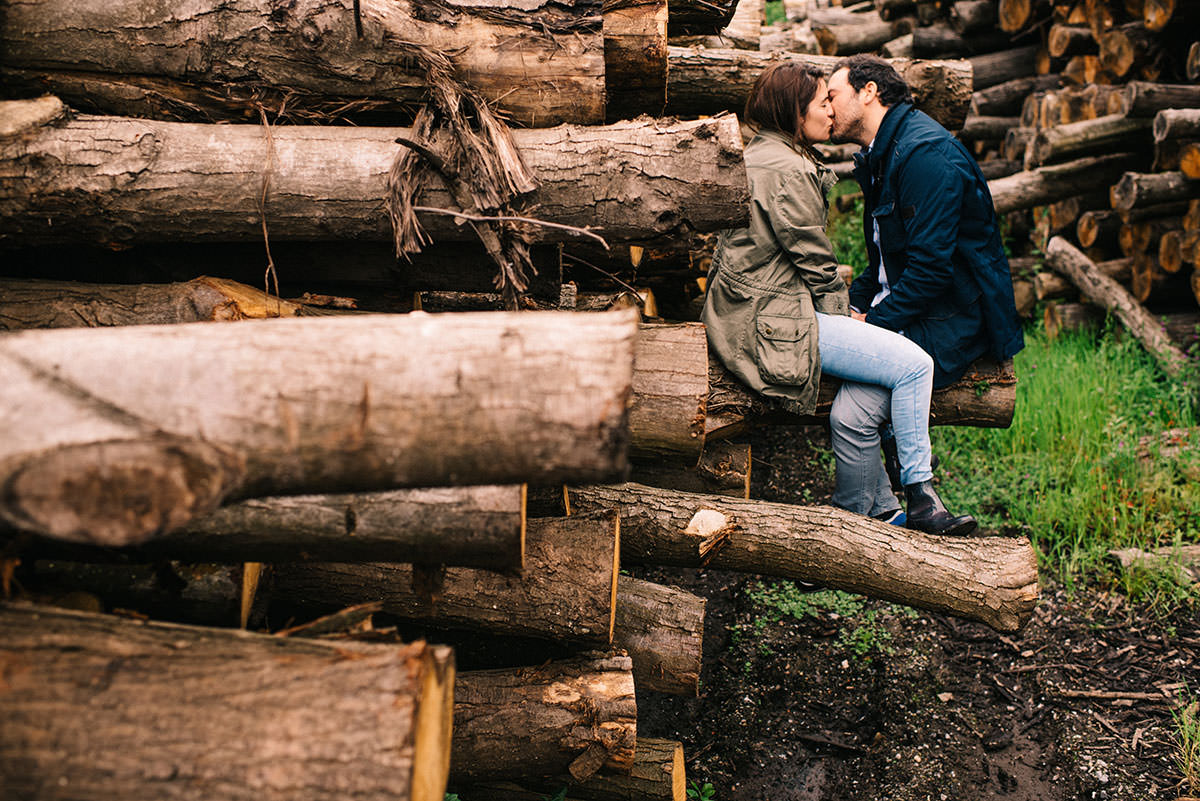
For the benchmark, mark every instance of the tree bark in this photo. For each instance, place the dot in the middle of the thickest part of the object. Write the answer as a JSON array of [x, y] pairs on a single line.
[[107, 707], [1005, 99], [699, 17], [971, 16], [1146, 99], [567, 591], [635, 58], [369, 271], [60, 304], [543, 65], [1108, 294], [1177, 123], [992, 579], [1098, 136], [985, 396], [482, 527], [941, 41], [708, 81], [670, 393], [1004, 65], [724, 469], [662, 629], [1056, 182], [658, 774], [987, 128], [859, 37], [170, 181], [1136, 189], [573, 715], [113, 436], [20, 117], [1192, 67]]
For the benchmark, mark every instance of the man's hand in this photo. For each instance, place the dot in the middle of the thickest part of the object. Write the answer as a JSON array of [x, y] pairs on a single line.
[[857, 315]]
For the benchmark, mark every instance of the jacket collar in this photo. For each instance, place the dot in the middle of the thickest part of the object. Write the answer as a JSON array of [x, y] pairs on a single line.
[[883, 139]]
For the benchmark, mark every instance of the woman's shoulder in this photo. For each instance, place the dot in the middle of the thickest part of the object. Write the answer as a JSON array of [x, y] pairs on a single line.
[[776, 157]]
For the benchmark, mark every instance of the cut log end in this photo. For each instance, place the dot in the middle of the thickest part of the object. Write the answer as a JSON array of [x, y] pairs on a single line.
[[435, 713], [116, 493]]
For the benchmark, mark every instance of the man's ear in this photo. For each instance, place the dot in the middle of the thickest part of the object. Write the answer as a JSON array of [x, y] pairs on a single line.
[[870, 91]]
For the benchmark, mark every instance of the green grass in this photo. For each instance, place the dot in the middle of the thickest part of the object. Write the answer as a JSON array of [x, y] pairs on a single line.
[[1067, 472], [775, 13]]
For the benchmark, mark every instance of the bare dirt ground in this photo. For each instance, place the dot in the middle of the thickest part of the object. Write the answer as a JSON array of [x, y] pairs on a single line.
[[856, 700]]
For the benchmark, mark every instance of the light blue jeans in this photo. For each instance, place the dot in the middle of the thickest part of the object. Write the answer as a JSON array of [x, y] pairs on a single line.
[[862, 353]]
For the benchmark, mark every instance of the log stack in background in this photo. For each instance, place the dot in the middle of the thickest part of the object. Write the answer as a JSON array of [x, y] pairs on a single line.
[[155, 466]]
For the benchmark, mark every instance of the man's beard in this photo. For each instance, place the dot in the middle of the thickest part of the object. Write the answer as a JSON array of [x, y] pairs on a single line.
[[849, 135]]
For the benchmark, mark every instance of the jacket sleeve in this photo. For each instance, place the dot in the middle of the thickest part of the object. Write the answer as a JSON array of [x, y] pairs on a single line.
[[930, 190], [864, 288], [797, 216]]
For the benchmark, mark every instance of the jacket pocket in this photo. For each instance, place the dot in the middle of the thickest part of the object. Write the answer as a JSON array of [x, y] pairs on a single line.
[[892, 236], [783, 349]]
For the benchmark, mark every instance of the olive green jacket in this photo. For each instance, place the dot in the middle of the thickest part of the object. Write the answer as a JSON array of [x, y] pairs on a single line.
[[767, 280]]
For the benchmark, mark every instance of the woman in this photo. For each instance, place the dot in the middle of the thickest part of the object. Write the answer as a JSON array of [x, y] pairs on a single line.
[[777, 311]]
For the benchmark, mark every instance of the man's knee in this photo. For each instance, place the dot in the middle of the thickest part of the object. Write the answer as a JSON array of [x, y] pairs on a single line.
[[859, 409]]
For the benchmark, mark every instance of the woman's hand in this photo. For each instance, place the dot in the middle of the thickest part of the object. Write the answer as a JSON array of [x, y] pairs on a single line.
[[857, 315]]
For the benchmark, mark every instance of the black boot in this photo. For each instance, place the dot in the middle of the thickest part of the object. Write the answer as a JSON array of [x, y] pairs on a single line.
[[927, 513]]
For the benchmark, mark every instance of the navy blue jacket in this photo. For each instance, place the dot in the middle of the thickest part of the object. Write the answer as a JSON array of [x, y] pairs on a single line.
[[951, 291]]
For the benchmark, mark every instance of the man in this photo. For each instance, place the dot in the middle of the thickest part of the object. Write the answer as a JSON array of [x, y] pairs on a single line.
[[937, 271]]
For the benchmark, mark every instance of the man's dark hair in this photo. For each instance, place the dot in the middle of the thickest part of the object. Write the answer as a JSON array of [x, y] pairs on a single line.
[[863, 68]]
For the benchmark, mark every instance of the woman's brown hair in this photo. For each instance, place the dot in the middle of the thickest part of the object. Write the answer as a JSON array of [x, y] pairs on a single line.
[[780, 96]]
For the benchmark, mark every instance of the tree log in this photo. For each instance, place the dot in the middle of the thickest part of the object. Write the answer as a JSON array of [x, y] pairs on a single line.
[[707, 81], [1108, 294], [542, 64], [1135, 189], [992, 579], [567, 591], [1192, 68], [112, 436], [1146, 99], [1070, 40], [987, 128], [1004, 65], [1177, 123], [670, 393], [985, 396], [1124, 49], [635, 58], [1059, 317], [1056, 182], [1101, 135], [20, 117], [107, 707], [658, 775], [60, 304], [662, 629], [1005, 99], [574, 715], [724, 469], [481, 527], [369, 271], [1081, 70], [971, 16], [699, 17], [1098, 228], [941, 41], [170, 181], [1138, 237], [1015, 15], [859, 37]]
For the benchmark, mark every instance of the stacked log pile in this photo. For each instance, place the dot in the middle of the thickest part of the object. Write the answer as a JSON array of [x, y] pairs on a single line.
[[1099, 147], [326, 471]]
